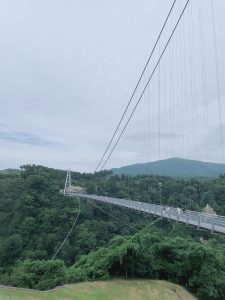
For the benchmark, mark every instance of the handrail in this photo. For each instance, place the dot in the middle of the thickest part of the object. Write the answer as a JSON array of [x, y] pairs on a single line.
[[214, 223]]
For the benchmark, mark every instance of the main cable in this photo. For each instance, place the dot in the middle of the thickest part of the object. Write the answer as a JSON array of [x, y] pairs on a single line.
[[68, 234], [135, 89], [135, 107], [217, 80]]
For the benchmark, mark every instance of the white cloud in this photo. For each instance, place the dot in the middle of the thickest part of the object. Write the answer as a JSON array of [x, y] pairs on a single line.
[[68, 68]]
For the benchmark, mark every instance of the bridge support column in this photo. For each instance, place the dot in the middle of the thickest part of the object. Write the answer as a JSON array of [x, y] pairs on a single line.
[[212, 228], [67, 187], [168, 215], [178, 219], [199, 221]]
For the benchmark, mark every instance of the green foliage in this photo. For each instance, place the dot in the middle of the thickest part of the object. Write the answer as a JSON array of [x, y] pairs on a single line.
[[41, 275], [152, 254], [35, 218]]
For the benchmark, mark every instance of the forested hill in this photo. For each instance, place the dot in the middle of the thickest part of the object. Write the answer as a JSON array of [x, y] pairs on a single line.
[[35, 219], [160, 251], [8, 171], [176, 167]]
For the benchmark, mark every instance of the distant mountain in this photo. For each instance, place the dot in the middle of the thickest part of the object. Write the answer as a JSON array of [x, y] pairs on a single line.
[[8, 171], [176, 167]]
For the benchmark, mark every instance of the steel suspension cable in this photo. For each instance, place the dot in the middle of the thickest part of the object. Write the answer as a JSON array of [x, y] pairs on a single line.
[[135, 89], [217, 79], [150, 78], [112, 216], [68, 234]]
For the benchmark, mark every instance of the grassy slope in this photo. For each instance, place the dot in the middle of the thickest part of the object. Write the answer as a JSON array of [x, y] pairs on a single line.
[[105, 290]]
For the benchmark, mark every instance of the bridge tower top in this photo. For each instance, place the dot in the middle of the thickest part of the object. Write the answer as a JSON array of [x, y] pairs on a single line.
[[67, 187]]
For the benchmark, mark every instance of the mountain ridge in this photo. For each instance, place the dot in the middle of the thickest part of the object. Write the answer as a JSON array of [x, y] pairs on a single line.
[[175, 167], [10, 171]]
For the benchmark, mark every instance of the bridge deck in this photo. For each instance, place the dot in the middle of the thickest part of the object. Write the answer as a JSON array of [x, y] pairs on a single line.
[[211, 222]]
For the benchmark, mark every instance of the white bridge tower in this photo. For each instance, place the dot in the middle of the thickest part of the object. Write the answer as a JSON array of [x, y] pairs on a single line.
[[67, 188]]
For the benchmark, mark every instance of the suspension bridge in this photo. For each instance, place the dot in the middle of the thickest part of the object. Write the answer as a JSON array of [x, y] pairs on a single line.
[[171, 103], [214, 223]]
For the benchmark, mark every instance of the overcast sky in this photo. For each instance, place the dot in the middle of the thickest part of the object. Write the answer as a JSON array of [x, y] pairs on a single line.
[[68, 68]]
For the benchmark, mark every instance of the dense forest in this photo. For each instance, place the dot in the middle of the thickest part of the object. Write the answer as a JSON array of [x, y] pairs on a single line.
[[35, 219]]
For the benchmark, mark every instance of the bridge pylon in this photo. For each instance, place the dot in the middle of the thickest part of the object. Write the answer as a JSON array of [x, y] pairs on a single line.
[[67, 187]]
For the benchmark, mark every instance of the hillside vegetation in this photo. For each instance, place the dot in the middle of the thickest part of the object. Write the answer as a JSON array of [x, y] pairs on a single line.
[[35, 219], [106, 290], [158, 252]]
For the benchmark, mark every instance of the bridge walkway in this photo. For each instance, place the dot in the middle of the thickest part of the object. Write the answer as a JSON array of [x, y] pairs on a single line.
[[214, 223]]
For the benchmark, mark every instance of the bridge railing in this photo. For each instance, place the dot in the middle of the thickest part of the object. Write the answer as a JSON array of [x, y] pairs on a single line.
[[200, 220]]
